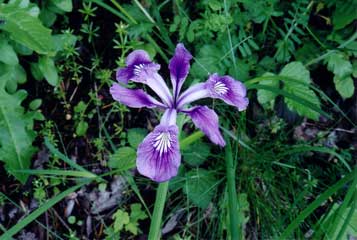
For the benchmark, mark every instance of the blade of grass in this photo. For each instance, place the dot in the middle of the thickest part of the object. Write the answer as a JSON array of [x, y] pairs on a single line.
[[58, 172], [300, 149], [39, 211], [315, 204], [64, 158]]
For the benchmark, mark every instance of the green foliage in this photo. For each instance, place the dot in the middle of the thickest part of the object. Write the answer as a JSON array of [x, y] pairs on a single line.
[[300, 88], [344, 14], [342, 69], [122, 219], [136, 136], [25, 28], [195, 154], [200, 187], [16, 134], [123, 159]]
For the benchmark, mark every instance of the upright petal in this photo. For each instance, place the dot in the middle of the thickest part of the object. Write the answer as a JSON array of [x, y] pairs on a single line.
[[138, 67], [231, 91], [159, 155], [207, 121], [179, 67], [135, 98]]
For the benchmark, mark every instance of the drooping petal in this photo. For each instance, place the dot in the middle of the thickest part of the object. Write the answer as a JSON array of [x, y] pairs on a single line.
[[179, 67], [207, 121], [159, 155], [138, 68], [231, 91], [135, 98]]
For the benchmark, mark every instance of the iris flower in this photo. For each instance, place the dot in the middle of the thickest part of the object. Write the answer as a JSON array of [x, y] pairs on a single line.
[[158, 156]]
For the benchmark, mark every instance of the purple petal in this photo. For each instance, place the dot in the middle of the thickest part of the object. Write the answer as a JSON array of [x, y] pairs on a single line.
[[179, 67], [159, 155], [207, 121], [231, 91], [137, 57], [138, 68], [135, 98]]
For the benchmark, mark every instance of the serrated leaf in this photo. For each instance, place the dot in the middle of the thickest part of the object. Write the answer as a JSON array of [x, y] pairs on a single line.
[[195, 154], [16, 134], [121, 218], [123, 159], [299, 87], [48, 70], [26, 29], [339, 65], [344, 86], [200, 187], [136, 136]]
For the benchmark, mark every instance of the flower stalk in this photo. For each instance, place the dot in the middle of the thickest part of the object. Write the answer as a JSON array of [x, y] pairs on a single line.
[[155, 225], [232, 192]]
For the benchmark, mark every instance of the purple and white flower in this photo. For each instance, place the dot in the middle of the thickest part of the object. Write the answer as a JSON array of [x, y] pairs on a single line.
[[159, 154]]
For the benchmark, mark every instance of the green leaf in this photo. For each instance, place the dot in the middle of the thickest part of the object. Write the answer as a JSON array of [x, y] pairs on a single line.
[[136, 136], [265, 97], [344, 86], [35, 104], [8, 54], [200, 187], [195, 154], [137, 213], [123, 159], [64, 5], [26, 29], [121, 218], [300, 88], [49, 70], [344, 14], [339, 65], [16, 134], [81, 128]]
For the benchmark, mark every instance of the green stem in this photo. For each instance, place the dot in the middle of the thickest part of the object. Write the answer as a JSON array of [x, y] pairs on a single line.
[[232, 193], [155, 226]]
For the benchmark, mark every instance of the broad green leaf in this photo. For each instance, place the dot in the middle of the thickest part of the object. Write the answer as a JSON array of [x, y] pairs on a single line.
[[300, 88], [339, 65], [64, 5], [344, 86], [8, 54], [123, 159], [16, 134], [26, 29], [265, 97], [200, 187], [345, 13], [49, 70], [195, 154], [136, 136]]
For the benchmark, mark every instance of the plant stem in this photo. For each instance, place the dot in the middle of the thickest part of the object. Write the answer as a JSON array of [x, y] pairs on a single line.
[[154, 233], [232, 193]]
